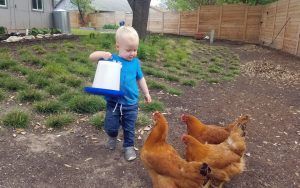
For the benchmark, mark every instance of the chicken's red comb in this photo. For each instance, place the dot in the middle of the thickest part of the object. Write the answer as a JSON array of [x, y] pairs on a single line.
[[183, 135], [182, 118], [155, 115]]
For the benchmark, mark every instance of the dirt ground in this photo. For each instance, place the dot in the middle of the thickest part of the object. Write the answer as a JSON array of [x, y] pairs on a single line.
[[268, 90]]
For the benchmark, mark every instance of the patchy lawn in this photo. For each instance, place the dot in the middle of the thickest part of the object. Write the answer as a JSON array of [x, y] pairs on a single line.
[[41, 89]]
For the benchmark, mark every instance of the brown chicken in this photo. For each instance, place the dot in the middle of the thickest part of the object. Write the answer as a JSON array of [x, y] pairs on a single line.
[[166, 168], [211, 134], [225, 159]]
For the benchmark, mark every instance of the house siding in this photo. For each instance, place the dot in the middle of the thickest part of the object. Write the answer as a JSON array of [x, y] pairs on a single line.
[[18, 15]]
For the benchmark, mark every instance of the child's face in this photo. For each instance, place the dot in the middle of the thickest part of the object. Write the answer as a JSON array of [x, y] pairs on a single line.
[[127, 48]]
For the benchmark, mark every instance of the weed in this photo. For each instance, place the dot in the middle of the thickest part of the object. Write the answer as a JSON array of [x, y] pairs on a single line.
[[86, 104], [59, 120], [151, 107], [98, 120], [48, 107], [16, 119]]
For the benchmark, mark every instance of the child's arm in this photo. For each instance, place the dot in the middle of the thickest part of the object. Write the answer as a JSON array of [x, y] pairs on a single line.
[[143, 85], [95, 56]]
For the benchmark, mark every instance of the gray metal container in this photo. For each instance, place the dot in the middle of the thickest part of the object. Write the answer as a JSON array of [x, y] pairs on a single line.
[[61, 20]]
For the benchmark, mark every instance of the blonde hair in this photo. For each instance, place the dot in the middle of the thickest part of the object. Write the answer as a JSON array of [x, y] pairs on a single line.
[[127, 31]]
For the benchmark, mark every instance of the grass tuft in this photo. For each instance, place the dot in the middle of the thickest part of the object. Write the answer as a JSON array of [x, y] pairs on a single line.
[[152, 107], [48, 107], [86, 104], [16, 119], [59, 120], [98, 120], [30, 95]]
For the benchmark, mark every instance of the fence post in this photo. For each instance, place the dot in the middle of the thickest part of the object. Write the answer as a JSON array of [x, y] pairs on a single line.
[[198, 18], [298, 41], [286, 17], [220, 20], [274, 21], [163, 23], [261, 23], [245, 23], [179, 23]]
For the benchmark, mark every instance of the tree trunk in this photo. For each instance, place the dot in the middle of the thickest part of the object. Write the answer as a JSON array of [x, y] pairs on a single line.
[[140, 9], [81, 15]]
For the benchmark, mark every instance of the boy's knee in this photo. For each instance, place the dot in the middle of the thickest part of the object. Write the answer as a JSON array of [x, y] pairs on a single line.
[[112, 132]]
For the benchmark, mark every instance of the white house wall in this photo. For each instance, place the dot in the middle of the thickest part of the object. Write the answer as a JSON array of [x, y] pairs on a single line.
[[18, 15]]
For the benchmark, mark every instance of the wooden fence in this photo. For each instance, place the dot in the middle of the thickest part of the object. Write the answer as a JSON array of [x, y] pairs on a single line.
[[280, 27], [276, 24], [232, 22]]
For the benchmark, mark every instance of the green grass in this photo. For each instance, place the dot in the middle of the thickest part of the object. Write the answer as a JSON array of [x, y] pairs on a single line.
[[16, 119], [39, 49], [143, 120], [71, 80], [56, 89], [31, 95], [12, 84], [155, 85], [7, 63], [86, 104], [160, 86], [98, 120], [174, 91], [59, 120], [21, 69], [152, 107], [189, 83], [82, 32], [2, 94], [58, 71], [39, 79], [48, 107]]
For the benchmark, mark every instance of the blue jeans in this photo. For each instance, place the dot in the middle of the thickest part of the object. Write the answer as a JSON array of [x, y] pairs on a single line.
[[124, 115]]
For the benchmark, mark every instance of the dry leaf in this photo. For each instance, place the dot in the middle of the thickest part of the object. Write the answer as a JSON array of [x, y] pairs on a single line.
[[88, 159], [66, 165]]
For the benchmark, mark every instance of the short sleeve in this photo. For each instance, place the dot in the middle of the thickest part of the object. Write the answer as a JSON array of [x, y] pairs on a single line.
[[139, 74]]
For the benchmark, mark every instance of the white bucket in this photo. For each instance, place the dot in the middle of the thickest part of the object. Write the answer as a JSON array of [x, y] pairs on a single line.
[[107, 75]]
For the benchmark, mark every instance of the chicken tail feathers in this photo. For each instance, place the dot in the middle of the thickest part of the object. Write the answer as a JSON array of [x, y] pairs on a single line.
[[204, 169]]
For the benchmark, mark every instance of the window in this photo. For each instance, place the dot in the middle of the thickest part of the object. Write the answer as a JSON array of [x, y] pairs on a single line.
[[3, 3], [37, 5]]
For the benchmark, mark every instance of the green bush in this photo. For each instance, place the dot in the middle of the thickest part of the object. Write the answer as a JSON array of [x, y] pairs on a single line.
[[59, 120], [55, 31], [16, 119], [3, 30], [35, 31]]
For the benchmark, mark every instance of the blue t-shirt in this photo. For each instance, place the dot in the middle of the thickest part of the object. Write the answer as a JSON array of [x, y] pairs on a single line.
[[131, 72]]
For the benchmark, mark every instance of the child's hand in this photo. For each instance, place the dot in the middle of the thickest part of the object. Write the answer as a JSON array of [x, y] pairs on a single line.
[[148, 98], [106, 55]]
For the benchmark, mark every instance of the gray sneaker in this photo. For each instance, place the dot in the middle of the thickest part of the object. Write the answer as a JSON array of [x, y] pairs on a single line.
[[130, 153], [111, 143]]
